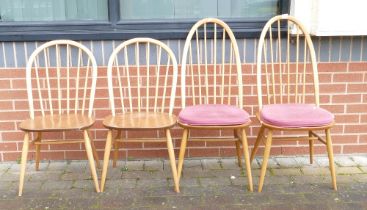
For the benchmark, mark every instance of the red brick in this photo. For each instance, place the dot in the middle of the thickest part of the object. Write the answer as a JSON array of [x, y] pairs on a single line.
[[355, 67], [8, 146], [357, 88], [344, 139], [356, 108], [348, 77], [12, 73], [220, 144], [363, 118], [19, 84], [333, 108], [6, 105], [362, 138], [13, 94], [7, 126], [305, 150], [12, 135], [347, 118], [149, 153], [347, 98], [76, 155], [204, 152], [360, 148], [228, 152], [332, 67], [75, 146], [334, 88], [355, 128], [5, 84]]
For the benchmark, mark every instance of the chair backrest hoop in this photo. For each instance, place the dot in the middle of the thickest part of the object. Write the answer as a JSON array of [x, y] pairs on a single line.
[[32, 60], [143, 40], [187, 45], [310, 47]]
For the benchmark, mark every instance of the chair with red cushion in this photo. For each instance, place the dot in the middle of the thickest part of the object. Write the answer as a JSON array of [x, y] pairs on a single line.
[[211, 87], [288, 89]]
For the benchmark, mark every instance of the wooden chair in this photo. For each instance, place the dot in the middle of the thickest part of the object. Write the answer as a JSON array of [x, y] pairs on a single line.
[[61, 80], [288, 89], [211, 87], [142, 78]]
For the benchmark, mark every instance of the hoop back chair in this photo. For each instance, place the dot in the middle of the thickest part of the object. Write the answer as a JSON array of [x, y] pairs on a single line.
[[211, 87], [288, 89], [142, 78], [61, 80]]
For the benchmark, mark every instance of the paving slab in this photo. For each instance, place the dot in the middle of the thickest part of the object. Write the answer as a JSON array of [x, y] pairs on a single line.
[[213, 183], [360, 160]]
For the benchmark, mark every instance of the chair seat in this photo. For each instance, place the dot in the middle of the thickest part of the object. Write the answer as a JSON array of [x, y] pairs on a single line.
[[57, 122], [213, 114], [295, 115], [140, 120]]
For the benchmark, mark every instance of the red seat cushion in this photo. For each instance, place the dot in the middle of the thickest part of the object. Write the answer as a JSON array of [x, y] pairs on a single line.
[[295, 115], [213, 114]]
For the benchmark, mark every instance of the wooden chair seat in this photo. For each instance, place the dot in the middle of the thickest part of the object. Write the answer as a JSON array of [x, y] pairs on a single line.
[[140, 120], [57, 123]]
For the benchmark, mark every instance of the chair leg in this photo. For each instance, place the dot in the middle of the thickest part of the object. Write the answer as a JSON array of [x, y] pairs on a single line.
[[115, 154], [331, 157], [172, 159], [38, 150], [182, 152], [310, 142], [23, 162], [106, 159], [95, 154], [92, 166], [265, 159], [257, 142], [116, 149], [247, 159], [238, 148]]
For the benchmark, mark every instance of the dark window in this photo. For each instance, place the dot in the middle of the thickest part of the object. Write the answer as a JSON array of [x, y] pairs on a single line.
[[123, 19]]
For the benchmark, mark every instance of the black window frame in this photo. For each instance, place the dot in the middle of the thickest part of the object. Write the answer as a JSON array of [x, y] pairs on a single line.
[[115, 29]]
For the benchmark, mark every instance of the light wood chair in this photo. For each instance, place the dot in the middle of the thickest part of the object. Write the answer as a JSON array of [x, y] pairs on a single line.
[[288, 89], [142, 78], [61, 80], [211, 88]]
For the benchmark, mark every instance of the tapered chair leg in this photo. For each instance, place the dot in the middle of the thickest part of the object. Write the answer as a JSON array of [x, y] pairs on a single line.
[[116, 149], [331, 158], [38, 150], [310, 142], [172, 159], [106, 159], [23, 162], [182, 152], [265, 159], [115, 154], [247, 159], [95, 154], [92, 166], [238, 148], [257, 142]]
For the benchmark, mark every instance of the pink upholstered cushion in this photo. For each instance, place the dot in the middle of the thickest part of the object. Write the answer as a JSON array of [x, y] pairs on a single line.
[[295, 115], [213, 114]]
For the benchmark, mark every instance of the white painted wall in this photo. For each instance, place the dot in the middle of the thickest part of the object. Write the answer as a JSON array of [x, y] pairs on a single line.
[[332, 17]]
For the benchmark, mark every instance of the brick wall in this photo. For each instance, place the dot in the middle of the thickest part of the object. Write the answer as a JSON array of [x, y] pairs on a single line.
[[343, 91]]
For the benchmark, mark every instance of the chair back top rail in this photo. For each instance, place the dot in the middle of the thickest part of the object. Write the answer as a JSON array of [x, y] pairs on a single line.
[[61, 78], [142, 75], [291, 77], [211, 66]]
